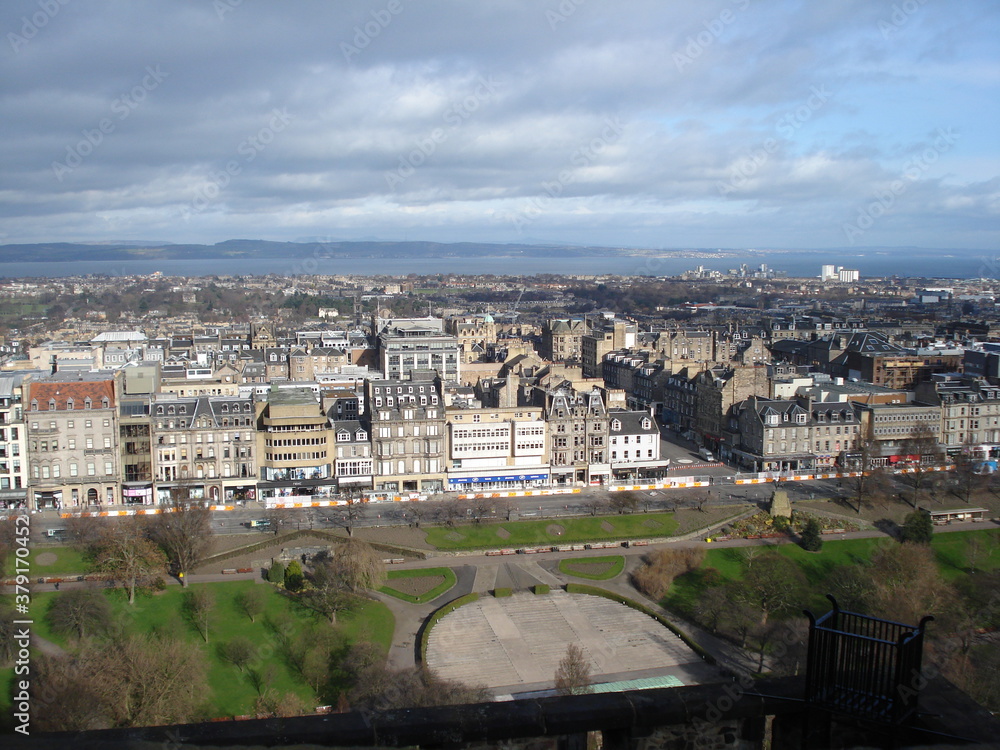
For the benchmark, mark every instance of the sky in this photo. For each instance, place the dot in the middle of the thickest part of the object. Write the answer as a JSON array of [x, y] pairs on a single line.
[[653, 124]]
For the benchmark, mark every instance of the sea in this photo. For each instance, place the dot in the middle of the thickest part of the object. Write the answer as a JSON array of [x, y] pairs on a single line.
[[960, 265]]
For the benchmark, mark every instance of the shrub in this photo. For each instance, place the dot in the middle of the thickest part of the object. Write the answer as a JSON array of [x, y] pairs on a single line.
[[663, 566], [811, 537], [158, 584], [542, 588], [294, 579], [918, 528], [276, 574], [501, 592]]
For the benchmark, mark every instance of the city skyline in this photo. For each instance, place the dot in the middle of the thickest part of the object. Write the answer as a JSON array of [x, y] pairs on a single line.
[[731, 124]]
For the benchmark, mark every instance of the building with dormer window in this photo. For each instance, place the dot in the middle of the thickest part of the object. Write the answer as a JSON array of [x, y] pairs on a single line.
[[634, 446]]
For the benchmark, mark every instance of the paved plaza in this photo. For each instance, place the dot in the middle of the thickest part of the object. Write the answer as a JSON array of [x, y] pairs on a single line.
[[514, 644]]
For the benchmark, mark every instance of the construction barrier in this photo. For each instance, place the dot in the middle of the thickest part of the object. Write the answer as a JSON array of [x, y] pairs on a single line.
[[519, 493]]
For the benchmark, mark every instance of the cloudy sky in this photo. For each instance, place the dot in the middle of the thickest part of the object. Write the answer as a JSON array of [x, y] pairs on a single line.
[[659, 123]]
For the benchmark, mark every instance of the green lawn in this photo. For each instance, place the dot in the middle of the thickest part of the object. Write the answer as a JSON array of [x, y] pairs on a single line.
[[422, 598], [820, 567], [231, 692], [56, 560], [593, 568], [531, 533]]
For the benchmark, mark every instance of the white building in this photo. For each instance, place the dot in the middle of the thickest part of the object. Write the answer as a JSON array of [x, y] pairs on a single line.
[[500, 448], [634, 445]]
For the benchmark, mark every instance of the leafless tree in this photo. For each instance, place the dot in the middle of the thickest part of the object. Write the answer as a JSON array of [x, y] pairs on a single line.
[[573, 673], [124, 552], [624, 502], [200, 606], [482, 508], [240, 652], [81, 612], [347, 516], [870, 480], [921, 442], [183, 532], [134, 681], [358, 565], [271, 704], [252, 601], [595, 506]]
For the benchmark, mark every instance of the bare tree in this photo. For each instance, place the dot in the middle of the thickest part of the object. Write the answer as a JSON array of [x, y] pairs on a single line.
[[625, 502], [252, 601], [271, 704], [595, 506], [81, 612], [922, 444], [573, 673], [358, 565], [328, 595], [8, 536], [240, 652], [200, 605], [967, 478], [347, 516], [134, 681], [184, 532], [871, 478], [124, 552], [482, 508]]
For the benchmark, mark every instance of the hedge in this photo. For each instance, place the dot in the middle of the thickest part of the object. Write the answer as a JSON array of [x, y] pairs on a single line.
[[431, 621], [501, 592], [581, 588], [542, 588]]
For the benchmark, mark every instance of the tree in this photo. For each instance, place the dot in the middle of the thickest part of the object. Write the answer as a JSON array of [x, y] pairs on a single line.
[[293, 576], [573, 673], [133, 681], [240, 652], [328, 594], [918, 528], [596, 506], [358, 565], [347, 516], [252, 601], [125, 553], [870, 480], [276, 573], [966, 476], [811, 538], [184, 532], [773, 584], [200, 605], [921, 442], [624, 502], [80, 612], [8, 536], [271, 704]]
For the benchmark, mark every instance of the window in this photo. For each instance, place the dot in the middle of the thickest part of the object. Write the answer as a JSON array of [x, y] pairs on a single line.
[[73, 470], [91, 470], [108, 468]]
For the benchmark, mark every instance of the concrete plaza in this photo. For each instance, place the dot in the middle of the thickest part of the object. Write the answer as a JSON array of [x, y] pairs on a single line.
[[514, 644]]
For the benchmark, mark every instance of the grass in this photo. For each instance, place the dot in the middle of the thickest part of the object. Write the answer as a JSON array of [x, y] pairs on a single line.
[[529, 533], [433, 593], [821, 567], [591, 567], [230, 692], [68, 561]]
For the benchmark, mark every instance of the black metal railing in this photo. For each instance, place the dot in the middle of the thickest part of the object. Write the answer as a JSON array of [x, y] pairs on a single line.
[[864, 666]]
